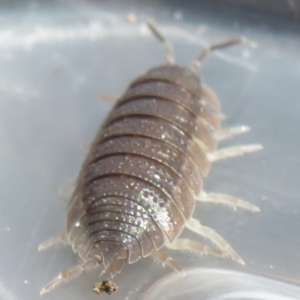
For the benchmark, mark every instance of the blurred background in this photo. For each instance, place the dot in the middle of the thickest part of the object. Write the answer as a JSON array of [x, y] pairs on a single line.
[[58, 57]]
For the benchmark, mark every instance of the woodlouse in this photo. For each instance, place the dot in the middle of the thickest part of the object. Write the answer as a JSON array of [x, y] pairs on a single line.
[[137, 188]]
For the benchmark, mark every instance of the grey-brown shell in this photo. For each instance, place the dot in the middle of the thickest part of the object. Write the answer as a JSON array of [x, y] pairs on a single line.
[[144, 168]]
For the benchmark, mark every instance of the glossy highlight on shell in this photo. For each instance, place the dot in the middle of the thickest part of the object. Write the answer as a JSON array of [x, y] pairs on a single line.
[[138, 187]]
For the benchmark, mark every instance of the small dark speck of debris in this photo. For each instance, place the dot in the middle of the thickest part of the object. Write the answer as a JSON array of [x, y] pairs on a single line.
[[107, 286]]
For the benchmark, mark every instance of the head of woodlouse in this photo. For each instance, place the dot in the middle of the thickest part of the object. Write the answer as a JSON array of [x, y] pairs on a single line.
[[180, 75]]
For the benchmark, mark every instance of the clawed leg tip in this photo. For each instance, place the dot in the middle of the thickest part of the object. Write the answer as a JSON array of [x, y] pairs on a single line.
[[240, 261], [259, 147], [43, 292], [255, 209], [245, 128], [249, 43], [40, 248], [253, 45], [234, 256]]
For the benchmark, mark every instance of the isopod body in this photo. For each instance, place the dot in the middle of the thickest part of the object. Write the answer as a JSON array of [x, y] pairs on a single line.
[[138, 186]]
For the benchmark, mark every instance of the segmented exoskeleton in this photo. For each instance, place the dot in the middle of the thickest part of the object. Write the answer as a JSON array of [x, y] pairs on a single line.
[[138, 186]]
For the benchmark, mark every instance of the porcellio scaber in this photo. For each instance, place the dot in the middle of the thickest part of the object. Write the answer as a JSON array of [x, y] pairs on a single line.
[[139, 184]]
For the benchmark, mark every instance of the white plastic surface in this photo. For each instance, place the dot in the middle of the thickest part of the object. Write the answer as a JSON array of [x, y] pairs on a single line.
[[54, 62], [216, 284]]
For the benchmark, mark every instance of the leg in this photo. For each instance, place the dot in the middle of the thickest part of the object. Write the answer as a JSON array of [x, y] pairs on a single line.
[[62, 238], [108, 97], [224, 44], [225, 133], [116, 266], [195, 226], [85, 147], [210, 97], [232, 201], [233, 151], [167, 45], [190, 245], [69, 274], [165, 259], [65, 192]]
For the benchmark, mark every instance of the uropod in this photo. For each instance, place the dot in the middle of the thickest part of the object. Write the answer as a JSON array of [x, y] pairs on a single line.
[[139, 184]]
